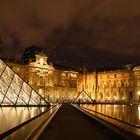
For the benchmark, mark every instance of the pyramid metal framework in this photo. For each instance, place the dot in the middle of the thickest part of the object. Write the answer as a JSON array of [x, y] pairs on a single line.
[[83, 97], [16, 92]]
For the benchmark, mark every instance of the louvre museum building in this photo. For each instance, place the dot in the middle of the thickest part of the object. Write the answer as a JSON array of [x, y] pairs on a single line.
[[57, 84]]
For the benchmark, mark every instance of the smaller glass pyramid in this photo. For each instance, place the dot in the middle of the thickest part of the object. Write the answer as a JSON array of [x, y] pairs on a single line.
[[16, 92], [83, 97]]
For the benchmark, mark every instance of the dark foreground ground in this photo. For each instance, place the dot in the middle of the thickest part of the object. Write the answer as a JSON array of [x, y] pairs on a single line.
[[71, 124]]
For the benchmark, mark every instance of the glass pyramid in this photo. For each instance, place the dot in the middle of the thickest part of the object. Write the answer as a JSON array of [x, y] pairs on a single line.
[[83, 97], [16, 92]]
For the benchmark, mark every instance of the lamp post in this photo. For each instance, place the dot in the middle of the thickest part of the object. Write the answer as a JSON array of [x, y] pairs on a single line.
[[51, 98], [57, 98], [115, 98]]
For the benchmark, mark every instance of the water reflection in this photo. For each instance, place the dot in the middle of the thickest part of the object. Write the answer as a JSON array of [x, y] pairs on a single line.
[[126, 113], [13, 116]]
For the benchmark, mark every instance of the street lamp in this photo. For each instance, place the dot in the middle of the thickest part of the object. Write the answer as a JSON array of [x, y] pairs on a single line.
[[51, 98], [115, 98], [57, 98]]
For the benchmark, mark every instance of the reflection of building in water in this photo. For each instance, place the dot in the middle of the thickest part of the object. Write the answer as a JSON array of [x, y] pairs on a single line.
[[57, 84], [120, 112]]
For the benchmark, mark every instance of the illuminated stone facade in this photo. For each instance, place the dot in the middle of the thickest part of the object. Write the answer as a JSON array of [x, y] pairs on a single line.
[[118, 86], [54, 85], [59, 85], [137, 82]]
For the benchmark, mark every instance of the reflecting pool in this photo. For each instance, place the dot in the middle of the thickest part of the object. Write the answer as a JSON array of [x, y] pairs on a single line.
[[127, 113], [13, 116]]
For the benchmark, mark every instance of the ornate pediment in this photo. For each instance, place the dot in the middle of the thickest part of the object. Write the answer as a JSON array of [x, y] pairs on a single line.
[[41, 62]]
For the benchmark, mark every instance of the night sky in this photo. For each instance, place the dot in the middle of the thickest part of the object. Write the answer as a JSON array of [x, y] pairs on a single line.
[[94, 32]]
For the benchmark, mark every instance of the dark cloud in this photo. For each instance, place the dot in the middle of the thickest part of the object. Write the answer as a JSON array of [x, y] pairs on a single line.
[[99, 32], [77, 45]]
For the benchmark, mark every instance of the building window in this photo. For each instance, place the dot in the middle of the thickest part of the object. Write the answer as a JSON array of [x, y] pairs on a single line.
[[64, 74], [83, 87], [130, 95], [122, 84], [101, 95]]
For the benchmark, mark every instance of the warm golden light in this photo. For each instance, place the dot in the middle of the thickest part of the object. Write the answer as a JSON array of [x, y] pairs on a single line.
[[115, 97], [139, 111], [61, 85]]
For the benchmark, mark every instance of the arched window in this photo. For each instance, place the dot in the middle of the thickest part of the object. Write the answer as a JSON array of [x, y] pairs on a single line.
[[122, 95], [122, 84], [101, 95], [107, 94], [114, 95], [130, 95], [82, 87], [41, 80], [114, 85]]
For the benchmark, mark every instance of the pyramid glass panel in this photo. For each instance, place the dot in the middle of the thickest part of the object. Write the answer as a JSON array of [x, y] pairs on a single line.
[[15, 88], [6, 79], [14, 91], [9, 72], [26, 88], [2, 65], [20, 102], [1, 71], [18, 80], [83, 97], [32, 101], [35, 97], [24, 96], [3, 87], [12, 96], [6, 101], [1, 97]]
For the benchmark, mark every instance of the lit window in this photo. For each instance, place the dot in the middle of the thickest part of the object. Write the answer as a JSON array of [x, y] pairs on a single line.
[[41, 61]]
